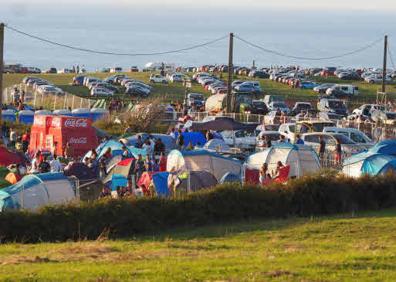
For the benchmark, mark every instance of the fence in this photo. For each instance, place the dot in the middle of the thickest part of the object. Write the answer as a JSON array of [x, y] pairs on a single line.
[[47, 101]]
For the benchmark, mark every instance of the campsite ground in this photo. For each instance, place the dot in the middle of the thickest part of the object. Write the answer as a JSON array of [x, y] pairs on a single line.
[[176, 91], [347, 248]]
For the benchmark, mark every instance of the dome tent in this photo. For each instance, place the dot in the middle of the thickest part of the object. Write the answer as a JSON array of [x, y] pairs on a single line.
[[37, 190], [387, 147], [202, 160], [369, 163], [302, 159]]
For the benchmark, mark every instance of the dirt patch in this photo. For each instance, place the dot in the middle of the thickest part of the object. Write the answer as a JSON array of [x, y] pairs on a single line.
[[22, 259], [279, 273]]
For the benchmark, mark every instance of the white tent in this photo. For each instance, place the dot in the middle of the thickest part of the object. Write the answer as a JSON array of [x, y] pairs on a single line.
[[303, 160], [201, 160], [37, 190]]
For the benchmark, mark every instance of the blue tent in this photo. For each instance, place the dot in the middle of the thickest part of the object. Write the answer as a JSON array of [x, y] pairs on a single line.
[[26, 117], [387, 147], [369, 163], [118, 180], [195, 138], [37, 190], [160, 181]]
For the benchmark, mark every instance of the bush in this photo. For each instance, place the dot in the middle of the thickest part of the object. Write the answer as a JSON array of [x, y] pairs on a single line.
[[314, 195]]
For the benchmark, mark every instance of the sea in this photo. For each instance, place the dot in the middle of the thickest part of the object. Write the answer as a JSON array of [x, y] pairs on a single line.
[[135, 29]]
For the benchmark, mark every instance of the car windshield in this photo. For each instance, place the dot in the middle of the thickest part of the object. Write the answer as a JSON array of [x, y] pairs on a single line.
[[279, 105], [336, 104], [303, 106], [391, 116], [343, 139]]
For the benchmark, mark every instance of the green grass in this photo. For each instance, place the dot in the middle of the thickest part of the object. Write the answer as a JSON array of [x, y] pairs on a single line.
[[176, 91], [343, 248]]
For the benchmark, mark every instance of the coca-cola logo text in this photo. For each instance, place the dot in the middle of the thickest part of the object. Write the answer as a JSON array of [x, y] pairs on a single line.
[[76, 122], [78, 140]]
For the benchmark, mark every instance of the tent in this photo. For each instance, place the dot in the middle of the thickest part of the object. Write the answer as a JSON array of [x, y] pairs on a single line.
[[387, 147], [26, 117], [8, 115], [81, 113], [49, 129], [222, 123], [368, 163], [302, 159], [80, 170], [99, 113], [169, 141], [37, 190], [230, 178], [217, 145], [202, 160], [122, 167], [7, 157]]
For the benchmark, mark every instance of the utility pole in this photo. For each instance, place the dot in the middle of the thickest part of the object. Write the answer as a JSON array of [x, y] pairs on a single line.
[[230, 98], [1, 66], [384, 66]]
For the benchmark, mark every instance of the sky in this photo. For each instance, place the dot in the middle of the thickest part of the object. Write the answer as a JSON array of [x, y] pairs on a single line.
[[368, 5]]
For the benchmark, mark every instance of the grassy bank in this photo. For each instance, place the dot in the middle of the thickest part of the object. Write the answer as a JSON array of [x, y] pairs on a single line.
[[345, 248], [176, 91]]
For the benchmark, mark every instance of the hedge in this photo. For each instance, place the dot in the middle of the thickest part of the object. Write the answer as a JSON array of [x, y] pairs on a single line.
[[309, 196]]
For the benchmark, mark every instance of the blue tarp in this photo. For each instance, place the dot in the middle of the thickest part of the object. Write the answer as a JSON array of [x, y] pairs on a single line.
[[160, 181], [196, 138]]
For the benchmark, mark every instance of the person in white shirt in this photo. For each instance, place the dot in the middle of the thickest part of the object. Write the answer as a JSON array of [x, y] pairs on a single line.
[[35, 163], [55, 164]]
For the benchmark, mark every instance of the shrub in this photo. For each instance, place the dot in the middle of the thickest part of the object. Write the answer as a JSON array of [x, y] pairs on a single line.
[[313, 195]]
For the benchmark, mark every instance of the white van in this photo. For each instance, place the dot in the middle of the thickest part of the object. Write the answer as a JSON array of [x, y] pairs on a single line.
[[347, 89], [354, 134]]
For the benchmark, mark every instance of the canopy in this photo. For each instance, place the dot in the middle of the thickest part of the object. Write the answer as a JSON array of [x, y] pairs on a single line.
[[37, 190], [80, 170], [369, 163], [8, 157], [302, 159], [222, 123], [202, 160]]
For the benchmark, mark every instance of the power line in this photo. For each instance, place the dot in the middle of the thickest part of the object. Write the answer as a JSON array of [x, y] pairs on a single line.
[[308, 58], [113, 53]]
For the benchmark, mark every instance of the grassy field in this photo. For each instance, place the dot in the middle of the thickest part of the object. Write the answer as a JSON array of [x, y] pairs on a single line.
[[344, 248], [176, 91]]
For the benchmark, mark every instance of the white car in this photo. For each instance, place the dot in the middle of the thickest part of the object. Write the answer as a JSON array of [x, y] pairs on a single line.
[[101, 91], [354, 134], [289, 130], [265, 136], [276, 105], [157, 78], [367, 109], [176, 77], [240, 138], [50, 89]]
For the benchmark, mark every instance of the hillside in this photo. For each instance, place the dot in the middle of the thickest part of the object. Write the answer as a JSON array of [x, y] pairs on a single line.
[[347, 248]]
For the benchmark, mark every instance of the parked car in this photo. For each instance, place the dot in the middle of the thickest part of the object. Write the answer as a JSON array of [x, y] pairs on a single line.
[[301, 107], [366, 109], [134, 69], [340, 90], [308, 85], [243, 139], [195, 99], [78, 80], [348, 146], [333, 106], [138, 90], [258, 107], [157, 78], [50, 89], [176, 77], [274, 106], [116, 69], [101, 91], [249, 86], [258, 74], [264, 136], [51, 70], [354, 134], [272, 98], [322, 88]]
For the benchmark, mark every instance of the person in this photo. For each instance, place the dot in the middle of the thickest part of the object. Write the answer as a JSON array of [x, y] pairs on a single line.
[[279, 166], [125, 153], [265, 177], [13, 176], [53, 148], [162, 162], [148, 147], [139, 142], [139, 167], [338, 152], [209, 135], [13, 137], [106, 192], [25, 141], [35, 163], [156, 166], [180, 140], [268, 142], [69, 151], [172, 133], [107, 155], [299, 141], [159, 147], [282, 139], [55, 164], [44, 166], [322, 147]]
